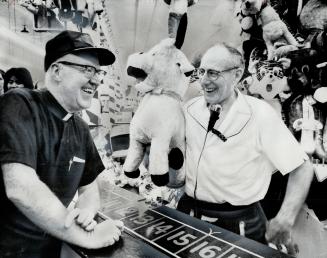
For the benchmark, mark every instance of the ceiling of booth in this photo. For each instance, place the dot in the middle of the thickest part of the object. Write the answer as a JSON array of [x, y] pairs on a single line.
[[136, 26]]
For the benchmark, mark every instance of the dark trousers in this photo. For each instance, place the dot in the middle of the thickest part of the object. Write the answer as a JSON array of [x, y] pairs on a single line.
[[250, 218]]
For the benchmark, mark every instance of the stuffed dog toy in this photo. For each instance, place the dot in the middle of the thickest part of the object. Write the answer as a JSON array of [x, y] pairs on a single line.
[[278, 39], [159, 119]]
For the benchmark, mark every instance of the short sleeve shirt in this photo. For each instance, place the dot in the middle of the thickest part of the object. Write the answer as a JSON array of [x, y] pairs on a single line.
[[238, 170], [36, 131]]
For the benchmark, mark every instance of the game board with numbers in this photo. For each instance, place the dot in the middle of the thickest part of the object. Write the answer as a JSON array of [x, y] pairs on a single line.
[[164, 232]]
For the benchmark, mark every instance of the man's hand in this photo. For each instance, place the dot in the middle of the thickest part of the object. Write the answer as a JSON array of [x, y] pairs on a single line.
[[82, 217], [279, 234], [106, 233]]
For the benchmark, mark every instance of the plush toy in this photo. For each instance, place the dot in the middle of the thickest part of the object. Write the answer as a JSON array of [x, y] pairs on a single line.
[[268, 79], [177, 8], [278, 39], [159, 119], [314, 15]]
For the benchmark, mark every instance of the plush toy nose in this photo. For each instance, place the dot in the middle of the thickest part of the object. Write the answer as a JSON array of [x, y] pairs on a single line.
[[247, 4]]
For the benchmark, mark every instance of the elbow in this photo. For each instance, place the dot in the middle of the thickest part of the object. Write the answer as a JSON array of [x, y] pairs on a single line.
[[16, 196]]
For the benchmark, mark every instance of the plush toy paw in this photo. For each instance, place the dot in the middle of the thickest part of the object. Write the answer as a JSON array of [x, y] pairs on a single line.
[[176, 158], [160, 180], [132, 174]]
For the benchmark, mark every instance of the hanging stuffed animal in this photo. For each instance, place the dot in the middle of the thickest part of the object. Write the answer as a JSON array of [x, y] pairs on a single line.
[[268, 79], [314, 15], [278, 39], [304, 113], [177, 8], [159, 120]]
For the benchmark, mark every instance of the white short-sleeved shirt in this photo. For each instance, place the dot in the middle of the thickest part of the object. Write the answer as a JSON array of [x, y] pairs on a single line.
[[239, 170]]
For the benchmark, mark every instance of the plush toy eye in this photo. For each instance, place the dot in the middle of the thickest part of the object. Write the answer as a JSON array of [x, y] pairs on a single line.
[[178, 64], [275, 71], [305, 69], [153, 54], [141, 53], [278, 72]]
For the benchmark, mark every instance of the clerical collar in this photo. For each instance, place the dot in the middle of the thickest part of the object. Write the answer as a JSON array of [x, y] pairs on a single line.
[[55, 107]]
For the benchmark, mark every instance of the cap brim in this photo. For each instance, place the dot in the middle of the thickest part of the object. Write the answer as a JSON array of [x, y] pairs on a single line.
[[105, 56]]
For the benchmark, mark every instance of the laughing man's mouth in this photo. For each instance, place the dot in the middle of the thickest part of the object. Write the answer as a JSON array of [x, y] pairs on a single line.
[[88, 90]]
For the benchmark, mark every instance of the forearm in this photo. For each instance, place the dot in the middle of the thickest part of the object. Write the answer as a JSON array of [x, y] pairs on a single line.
[[35, 200], [89, 197], [48, 213], [296, 192]]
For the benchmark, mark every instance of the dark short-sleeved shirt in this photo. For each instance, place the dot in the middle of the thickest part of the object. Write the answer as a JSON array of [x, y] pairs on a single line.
[[35, 130]]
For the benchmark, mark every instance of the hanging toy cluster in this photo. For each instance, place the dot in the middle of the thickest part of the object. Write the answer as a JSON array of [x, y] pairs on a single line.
[[55, 14], [292, 77]]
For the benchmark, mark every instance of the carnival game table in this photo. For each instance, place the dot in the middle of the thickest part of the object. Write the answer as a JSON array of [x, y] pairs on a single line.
[[165, 232]]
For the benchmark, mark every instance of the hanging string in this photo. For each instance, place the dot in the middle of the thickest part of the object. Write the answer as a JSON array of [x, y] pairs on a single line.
[[15, 15], [135, 22], [150, 26], [9, 18]]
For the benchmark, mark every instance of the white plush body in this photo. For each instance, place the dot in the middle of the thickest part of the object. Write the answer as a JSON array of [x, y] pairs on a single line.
[[159, 119]]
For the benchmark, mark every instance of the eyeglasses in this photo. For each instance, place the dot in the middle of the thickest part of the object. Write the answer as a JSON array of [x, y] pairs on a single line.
[[213, 74], [90, 71]]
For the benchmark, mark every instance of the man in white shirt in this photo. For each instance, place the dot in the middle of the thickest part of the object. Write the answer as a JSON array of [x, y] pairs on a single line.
[[234, 144]]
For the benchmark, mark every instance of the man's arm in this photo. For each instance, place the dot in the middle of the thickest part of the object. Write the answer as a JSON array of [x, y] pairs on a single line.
[[279, 228], [34, 199], [86, 207]]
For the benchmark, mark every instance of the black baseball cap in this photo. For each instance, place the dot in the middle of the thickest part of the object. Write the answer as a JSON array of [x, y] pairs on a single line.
[[70, 42]]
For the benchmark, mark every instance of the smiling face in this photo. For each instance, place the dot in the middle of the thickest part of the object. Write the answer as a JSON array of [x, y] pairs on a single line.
[[220, 90], [14, 82], [75, 87]]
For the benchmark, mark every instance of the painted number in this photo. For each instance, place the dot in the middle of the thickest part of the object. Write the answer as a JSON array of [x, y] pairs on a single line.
[[162, 229], [206, 252], [143, 220], [182, 240]]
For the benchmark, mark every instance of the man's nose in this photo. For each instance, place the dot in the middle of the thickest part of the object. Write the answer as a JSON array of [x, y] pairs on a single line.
[[95, 81], [205, 80]]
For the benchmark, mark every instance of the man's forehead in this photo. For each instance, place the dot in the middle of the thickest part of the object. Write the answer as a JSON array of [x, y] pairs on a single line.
[[216, 58], [86, 58]]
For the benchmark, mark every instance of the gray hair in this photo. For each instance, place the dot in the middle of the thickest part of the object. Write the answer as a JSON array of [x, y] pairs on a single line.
[[236, 56]]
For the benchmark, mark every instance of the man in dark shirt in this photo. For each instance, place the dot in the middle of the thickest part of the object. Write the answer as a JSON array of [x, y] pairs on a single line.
[[47, 154]]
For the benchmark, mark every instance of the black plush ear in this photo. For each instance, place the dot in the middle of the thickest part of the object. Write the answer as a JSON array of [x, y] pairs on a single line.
[[181, 31]]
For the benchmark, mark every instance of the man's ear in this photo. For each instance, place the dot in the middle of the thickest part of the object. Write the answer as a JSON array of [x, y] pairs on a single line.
[[55, 71], [239, 74]]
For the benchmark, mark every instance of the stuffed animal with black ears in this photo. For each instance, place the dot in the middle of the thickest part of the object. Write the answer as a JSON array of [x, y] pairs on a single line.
[[164, 73], [177, 9]]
